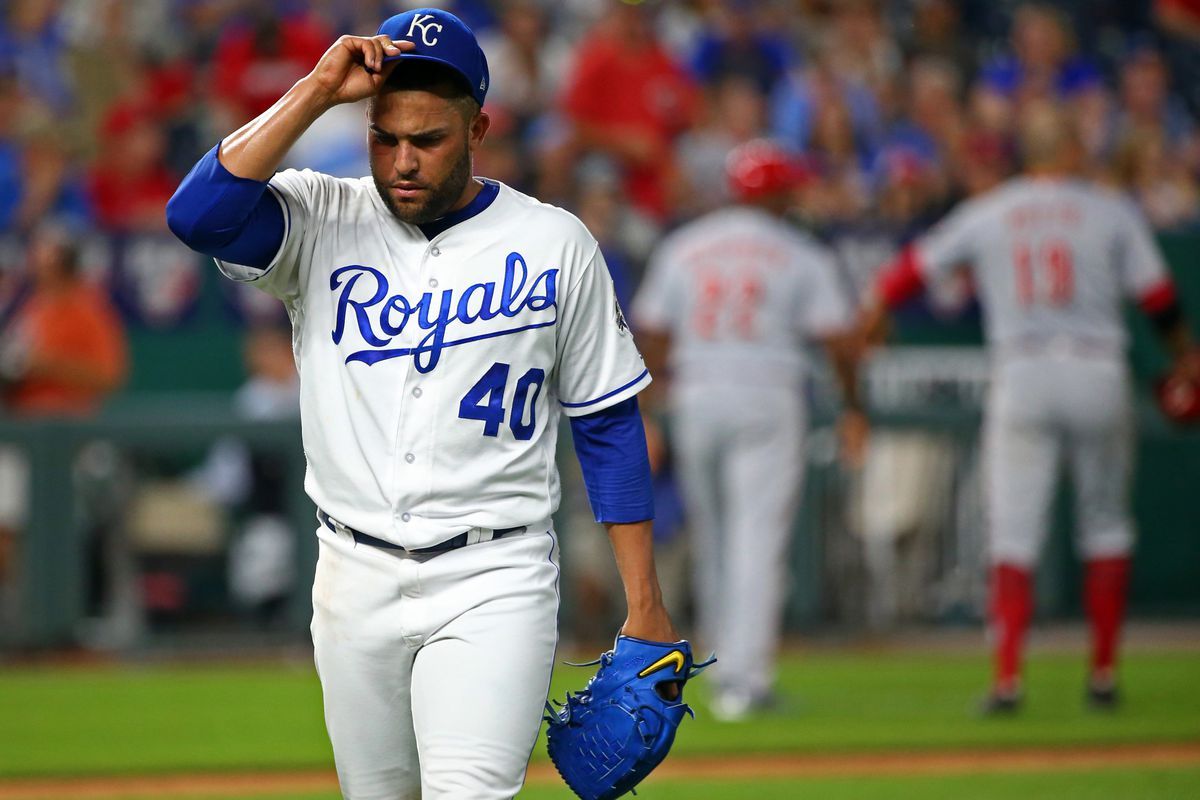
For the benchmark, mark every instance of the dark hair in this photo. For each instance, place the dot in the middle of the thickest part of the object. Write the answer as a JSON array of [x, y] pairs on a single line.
[[433, 77]]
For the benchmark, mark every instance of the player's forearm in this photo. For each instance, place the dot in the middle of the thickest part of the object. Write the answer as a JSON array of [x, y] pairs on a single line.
[[633, 547], [654, 345], [844, 354], [256, 149], [900, 279]]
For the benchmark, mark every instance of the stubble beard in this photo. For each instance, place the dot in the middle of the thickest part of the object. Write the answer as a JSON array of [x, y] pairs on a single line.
[[440, 199]]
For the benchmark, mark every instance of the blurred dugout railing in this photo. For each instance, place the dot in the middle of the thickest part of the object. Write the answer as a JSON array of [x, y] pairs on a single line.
[[903, 540], [86, 481], [898, 542], [900, 539]]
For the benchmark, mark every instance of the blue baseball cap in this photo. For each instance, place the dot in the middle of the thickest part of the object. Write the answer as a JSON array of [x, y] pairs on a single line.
[[443, 38]]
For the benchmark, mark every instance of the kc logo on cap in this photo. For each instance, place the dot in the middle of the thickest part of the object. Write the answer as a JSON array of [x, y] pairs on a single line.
[[425, 23], [441, 37]]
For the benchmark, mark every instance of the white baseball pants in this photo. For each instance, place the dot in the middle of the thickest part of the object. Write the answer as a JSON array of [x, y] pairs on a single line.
[[1043, 409], [435, 669], [741, 465]]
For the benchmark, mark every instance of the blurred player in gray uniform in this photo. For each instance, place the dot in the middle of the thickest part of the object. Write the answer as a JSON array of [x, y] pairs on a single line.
[[1052, 257], [732, 298]]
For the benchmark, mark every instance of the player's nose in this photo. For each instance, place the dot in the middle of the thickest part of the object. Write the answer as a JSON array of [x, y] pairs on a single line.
[[406, 161]]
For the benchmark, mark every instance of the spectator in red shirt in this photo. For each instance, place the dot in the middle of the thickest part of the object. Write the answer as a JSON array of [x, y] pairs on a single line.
[[257, 62], [627, 98], [1180, 17], [129, 185]]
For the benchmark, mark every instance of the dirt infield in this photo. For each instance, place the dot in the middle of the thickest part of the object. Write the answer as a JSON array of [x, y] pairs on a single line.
[[946, 762]]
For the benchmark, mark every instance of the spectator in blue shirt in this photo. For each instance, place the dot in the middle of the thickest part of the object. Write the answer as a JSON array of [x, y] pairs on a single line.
[[1043, 65], [734, 46], [32, 48]]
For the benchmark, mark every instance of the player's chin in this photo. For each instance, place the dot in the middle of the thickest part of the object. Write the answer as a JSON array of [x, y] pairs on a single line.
[[413, 210]]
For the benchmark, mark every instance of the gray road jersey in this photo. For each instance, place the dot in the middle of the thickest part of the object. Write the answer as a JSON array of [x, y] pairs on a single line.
[[1050, 259], [740, 292]]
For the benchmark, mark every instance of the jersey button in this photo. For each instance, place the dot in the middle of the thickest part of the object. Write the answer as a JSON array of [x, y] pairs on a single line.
[[409, 457], [433, 283], [417, 391], [435, 252], [405, 517]]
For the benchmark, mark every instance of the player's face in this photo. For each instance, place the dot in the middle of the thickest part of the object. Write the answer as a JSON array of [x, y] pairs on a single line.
[[421, 146]]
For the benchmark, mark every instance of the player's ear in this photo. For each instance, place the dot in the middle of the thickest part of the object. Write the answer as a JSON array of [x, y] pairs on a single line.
[[479, 128]]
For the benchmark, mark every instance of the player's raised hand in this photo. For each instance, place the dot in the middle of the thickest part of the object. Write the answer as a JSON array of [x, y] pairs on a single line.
[[353, 69]]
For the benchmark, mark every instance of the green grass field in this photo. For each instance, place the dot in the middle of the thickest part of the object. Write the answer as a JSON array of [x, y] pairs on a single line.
[[162, 719], [1175, 784]]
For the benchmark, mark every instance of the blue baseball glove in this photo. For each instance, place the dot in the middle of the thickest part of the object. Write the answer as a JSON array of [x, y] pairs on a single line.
[[609, 736]]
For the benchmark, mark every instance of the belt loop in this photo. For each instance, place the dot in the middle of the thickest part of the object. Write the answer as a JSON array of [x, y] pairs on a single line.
[[338, 528]]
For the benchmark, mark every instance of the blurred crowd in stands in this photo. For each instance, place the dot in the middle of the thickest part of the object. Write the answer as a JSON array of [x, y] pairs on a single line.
[[622, 111]]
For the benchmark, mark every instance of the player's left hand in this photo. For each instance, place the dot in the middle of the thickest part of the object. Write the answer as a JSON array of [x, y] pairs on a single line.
[[605, 739], [652, 623]]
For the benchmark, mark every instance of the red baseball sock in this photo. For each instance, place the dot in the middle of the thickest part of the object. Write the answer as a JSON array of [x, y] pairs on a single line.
[[1105, 590], [1011, 611]]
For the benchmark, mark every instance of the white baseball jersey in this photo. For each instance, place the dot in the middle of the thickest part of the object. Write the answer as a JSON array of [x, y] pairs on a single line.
[[1050, 258], [433, 371], [740, 291]]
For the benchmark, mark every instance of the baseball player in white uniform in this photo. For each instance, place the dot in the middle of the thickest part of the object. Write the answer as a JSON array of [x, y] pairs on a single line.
[[441, 324], [1052, 258], [732, 299]]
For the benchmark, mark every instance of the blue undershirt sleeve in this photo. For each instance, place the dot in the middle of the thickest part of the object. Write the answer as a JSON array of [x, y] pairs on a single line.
[[221, 215], [611, 446]]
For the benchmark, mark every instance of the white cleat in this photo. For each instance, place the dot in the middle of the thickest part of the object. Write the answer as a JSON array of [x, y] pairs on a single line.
[[736, 706]]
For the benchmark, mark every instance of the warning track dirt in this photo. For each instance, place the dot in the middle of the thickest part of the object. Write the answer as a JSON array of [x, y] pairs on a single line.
[[823, 765]]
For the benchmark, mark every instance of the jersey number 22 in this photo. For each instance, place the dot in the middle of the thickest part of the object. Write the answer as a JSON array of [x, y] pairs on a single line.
[[735, 298]]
